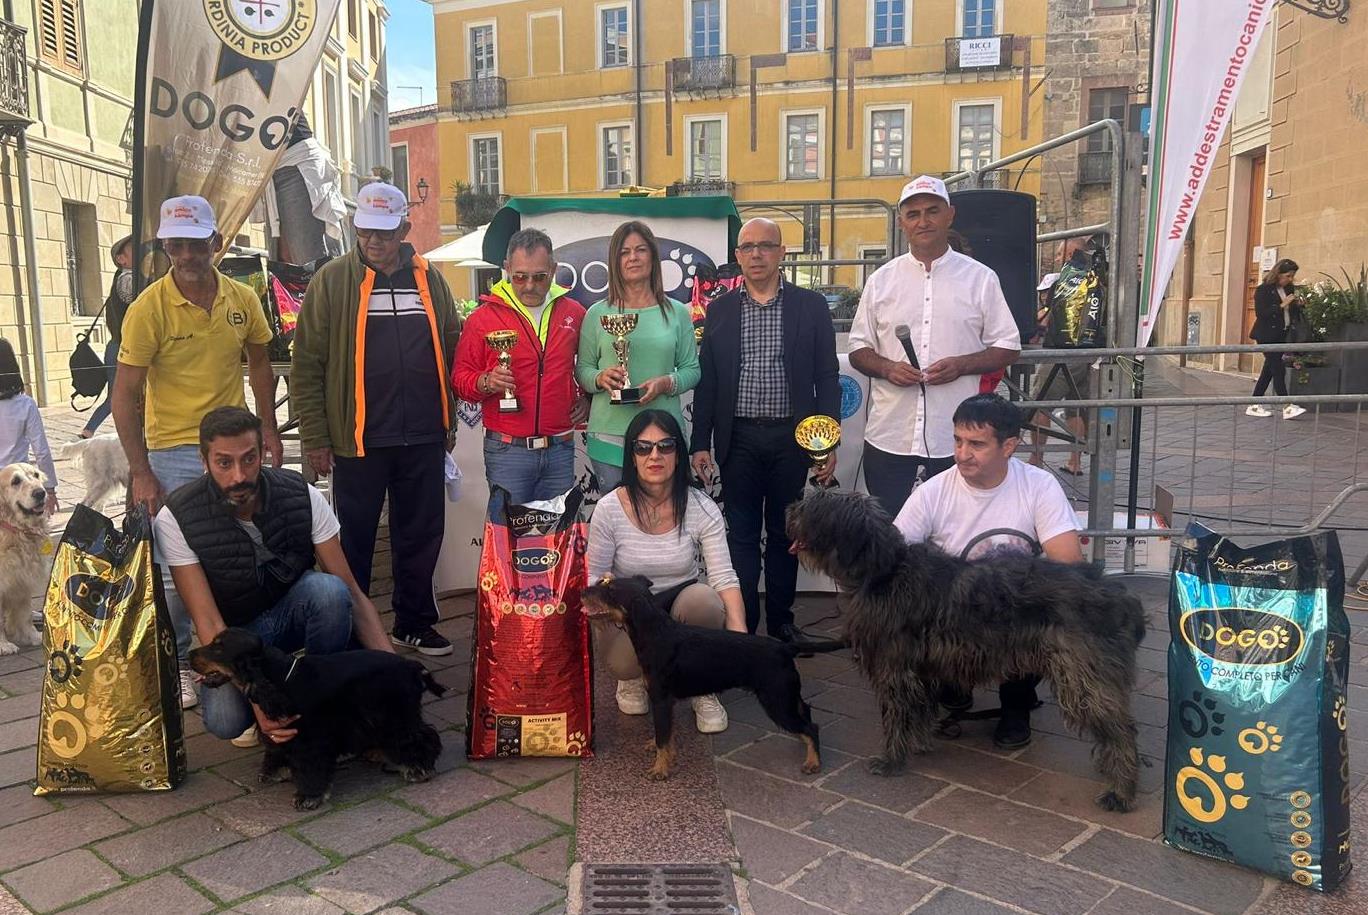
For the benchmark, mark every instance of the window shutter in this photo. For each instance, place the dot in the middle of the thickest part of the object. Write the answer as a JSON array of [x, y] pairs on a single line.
[[48, 39], [71, 42]]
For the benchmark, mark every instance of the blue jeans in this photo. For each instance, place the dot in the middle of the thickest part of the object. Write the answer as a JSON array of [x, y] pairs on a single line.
[[315, 614], [609, 475], [101, 412], [530, 476], [174, 467]]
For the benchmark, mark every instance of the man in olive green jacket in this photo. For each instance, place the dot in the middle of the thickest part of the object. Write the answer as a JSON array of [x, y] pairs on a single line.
[[372, 357]]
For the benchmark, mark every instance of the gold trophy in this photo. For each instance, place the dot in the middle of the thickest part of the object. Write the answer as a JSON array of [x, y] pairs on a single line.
[[818, 436], [620, 324], [503, 342]]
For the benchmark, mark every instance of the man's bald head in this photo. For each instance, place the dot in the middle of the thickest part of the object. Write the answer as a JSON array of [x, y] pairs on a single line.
[[760, 229], [759, 249]]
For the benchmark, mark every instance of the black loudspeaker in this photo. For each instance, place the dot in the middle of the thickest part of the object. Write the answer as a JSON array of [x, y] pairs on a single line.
[[999, 228]]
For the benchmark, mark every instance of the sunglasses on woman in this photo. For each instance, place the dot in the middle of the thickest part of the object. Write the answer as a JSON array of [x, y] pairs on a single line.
[[643, 448]]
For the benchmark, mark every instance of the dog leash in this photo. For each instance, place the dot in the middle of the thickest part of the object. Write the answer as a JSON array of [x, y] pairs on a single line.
[[46, 547]]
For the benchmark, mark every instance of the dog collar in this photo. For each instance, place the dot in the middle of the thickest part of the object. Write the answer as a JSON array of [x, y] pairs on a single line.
[[297, 655], [23, 532]]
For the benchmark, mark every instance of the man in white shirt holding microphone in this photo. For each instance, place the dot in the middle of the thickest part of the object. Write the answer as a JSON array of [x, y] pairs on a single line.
[[930, 322]]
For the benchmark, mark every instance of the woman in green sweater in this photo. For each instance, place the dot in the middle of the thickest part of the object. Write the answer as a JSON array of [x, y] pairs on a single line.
[[662, 360]]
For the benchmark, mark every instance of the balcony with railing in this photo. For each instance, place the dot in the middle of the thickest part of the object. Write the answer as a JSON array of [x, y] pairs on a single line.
[[14, 96], [1094, 167], [484, 94], [703, 74], [992, 52]]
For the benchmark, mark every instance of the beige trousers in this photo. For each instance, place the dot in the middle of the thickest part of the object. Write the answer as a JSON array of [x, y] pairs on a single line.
[[696, 605]]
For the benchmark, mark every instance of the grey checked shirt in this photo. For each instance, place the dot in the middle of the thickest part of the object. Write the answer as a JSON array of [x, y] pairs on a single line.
[[762, 392]]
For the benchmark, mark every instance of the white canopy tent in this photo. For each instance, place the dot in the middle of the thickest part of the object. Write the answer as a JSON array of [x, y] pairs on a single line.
[[466, 251]]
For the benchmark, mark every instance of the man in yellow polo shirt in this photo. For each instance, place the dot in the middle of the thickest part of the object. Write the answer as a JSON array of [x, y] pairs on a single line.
[[182, 347]]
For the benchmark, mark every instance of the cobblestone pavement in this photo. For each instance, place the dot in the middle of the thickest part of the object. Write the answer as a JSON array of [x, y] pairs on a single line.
[[967, 830]]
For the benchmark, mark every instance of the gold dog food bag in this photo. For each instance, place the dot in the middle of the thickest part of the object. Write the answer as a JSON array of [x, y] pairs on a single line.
[[111, 716]]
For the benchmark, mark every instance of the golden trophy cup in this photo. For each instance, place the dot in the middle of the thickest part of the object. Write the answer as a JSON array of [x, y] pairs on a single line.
[[818, 436], [620, 324], [503, 341]]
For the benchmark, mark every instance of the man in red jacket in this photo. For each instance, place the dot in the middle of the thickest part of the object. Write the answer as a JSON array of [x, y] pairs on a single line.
[[529, 450]]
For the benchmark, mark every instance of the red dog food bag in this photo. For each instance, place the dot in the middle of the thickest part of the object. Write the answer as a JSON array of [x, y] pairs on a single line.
[[530, 673]]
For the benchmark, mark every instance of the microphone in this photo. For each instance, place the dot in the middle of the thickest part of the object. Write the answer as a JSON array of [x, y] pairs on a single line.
[[904, 335]]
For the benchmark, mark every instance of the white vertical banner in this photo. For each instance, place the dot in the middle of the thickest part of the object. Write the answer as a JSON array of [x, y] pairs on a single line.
[[1202, 49]]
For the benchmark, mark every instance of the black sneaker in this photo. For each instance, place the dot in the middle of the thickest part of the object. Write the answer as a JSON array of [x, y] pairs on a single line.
[[425, 641], [1013, 731]]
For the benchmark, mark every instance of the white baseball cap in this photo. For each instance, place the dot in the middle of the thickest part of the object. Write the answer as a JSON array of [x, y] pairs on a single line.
[[380, 206], [924, 184], [187, 217]]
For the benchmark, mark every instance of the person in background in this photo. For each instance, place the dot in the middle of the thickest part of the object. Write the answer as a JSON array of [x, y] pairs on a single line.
[[372, 355], [529, 452], [180, 356], [657, 525], [663, 359], [1276, 304], [115, 305], [960, 329], [22, 438], [768, 361]]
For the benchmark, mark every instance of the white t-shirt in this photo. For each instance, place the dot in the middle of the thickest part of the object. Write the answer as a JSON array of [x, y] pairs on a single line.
[[955, 309], [949, 513], [176, 552]]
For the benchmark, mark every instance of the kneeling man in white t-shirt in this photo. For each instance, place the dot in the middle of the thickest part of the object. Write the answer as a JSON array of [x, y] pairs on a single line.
[[986, 504]]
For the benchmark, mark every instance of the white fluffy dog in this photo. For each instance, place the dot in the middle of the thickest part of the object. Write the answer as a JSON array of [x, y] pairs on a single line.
[[104, 463], [24, 546]]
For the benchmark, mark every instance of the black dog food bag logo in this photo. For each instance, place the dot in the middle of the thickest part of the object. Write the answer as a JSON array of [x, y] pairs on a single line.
[[1239, 635], [535, 560], [94, 596]]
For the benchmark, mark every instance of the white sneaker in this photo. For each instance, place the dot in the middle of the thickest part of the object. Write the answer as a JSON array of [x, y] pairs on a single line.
[[1256, 410], [189, 698], [1292, 411], [632, 698], [709, 714], [247, 738]]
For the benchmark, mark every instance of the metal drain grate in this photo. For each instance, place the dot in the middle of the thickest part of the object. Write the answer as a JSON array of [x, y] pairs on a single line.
[[659, 889]]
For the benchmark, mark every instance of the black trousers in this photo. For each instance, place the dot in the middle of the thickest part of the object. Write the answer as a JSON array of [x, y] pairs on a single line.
[[1273, 371], [414, 478], [890, 477], [765, 470], [1017, 695]]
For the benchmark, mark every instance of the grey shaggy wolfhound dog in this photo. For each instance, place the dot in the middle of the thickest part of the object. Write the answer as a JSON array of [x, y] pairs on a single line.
[[918, 618]]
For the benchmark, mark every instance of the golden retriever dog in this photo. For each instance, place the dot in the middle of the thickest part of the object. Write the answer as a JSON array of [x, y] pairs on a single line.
[[24, 547]]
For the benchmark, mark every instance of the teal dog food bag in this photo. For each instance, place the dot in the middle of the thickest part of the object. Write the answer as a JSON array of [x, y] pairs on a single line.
[[1258, 753]]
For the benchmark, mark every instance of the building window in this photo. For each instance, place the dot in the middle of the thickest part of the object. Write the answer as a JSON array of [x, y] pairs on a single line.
[[878, 254], [705, 19], [482, 61], [617, 155], [802, 140], [1112, 4], [59, 34], [705, 149], [374, 23], [975, 148], [890, 22], [400, 166], [82, 259], [354, 18], [331, 104], [484, 165], [980, 18], [1103, 104], [358, 139], [887, 141], [802, 25], [613, 37]]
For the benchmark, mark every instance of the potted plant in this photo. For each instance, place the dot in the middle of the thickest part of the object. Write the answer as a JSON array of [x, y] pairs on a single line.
[[1312, 374], [1338, 311]]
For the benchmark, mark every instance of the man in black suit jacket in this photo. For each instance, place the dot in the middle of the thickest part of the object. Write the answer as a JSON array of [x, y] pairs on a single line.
[[768, 361]]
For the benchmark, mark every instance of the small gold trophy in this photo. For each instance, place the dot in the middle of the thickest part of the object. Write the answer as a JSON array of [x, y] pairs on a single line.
[[818, 436], [503, 342], [620, 324]]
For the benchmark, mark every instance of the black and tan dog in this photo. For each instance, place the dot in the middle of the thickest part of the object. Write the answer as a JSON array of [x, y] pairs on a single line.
[[681, 661], [918, 618], [363, 703]]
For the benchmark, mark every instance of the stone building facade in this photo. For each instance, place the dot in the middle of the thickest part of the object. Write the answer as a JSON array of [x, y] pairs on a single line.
[[1096, 66]]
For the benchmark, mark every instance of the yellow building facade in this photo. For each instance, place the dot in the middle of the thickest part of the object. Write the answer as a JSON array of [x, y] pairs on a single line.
[[767, 100]]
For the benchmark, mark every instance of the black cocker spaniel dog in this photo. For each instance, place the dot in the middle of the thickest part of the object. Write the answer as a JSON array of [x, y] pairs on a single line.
[[918, 618], [353, 702]]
